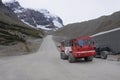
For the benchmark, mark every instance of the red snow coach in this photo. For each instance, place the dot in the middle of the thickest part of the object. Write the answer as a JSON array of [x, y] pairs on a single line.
[[81, 47]]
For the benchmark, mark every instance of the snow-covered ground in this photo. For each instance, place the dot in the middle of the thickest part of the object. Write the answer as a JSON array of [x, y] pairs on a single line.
[[105, 32], [43, 27], [27, 23]]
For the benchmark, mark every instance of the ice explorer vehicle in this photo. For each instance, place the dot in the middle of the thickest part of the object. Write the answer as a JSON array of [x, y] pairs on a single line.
[[81, 47]]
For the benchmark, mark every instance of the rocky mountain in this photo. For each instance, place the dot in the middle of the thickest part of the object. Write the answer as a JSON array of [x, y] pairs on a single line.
[[36, 18], [90, 27], [17, 38], [12, 30]]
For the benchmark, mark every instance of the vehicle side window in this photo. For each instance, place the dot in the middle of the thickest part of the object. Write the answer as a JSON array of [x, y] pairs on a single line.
[[67, 43], [71, 43], [74, 43], [87, 42]]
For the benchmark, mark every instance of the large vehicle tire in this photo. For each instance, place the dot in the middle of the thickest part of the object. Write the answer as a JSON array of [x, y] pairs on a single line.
[[63, 56], [71, 58], [97, 55], [104, 54], [89, 58]]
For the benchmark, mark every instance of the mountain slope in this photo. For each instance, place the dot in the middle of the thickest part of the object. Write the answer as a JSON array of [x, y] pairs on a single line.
[[90, 27], [12, 30], [41, 19]]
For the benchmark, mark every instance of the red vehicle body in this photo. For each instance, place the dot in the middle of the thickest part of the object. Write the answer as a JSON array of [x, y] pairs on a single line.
[[81, 47]]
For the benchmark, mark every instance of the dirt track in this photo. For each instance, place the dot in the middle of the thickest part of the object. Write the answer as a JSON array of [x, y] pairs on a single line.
[[47, 65]]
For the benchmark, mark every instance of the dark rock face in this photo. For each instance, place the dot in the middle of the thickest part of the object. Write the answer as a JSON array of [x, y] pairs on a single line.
[[13, 30], [7, 11], [36, 18], [0, 3]]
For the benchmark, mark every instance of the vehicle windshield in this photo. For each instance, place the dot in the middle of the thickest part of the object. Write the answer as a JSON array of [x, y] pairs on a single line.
[[84, 42]]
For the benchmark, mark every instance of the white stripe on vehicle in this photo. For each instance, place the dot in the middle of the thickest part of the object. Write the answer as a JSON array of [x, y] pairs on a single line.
[[85, 51], [67, 50]]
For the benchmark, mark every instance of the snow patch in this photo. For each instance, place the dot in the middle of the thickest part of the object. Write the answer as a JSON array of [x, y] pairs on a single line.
[[43, 27], [38, 26], [47, 13], [27, 23], [105, 32], [10, 1], [57, 24], [18, 11], [34, 20]]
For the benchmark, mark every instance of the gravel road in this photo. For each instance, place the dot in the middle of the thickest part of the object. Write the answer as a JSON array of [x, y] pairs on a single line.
[[47, 65]]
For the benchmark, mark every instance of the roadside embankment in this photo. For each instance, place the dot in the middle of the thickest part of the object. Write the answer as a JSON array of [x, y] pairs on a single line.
[[32, 45]]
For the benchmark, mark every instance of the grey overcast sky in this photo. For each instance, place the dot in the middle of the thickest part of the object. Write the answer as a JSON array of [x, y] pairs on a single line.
[[72, 11]]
